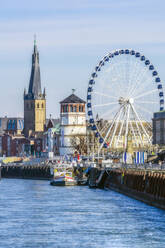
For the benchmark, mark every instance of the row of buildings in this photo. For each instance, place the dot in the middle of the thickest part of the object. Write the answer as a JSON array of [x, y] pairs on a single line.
[[36, 135]]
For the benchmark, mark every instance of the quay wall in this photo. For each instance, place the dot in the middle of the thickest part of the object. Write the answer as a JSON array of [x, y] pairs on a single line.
[[144, 185], [26, 172]]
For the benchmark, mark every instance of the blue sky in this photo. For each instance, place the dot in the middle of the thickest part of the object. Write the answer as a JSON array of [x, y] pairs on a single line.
[[72, 36]]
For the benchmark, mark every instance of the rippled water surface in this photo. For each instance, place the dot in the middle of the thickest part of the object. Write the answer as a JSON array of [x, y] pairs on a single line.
[[35, 214]]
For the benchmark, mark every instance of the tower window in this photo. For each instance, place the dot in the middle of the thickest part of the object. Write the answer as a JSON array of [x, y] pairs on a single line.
[[66, 108], [71, 108], [42, 105], [31, 105], [75, 108], [27, 105], [38, 105]]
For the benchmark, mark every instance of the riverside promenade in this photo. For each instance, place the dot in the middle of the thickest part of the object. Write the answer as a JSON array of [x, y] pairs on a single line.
[[144, 184], [42, 171], [27, 172]]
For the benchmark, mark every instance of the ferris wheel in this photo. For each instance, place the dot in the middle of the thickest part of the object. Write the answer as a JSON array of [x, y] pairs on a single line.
[[123, 92]]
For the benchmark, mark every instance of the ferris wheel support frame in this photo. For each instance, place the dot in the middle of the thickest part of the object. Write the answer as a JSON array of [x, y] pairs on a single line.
[[110, 128]]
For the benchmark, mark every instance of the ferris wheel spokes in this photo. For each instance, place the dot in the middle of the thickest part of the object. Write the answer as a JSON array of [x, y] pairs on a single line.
[[133, 76], [115, 127], [143, 102], [137, 81], [146, 84], [137, 126], [107, 113], [133, 131], [130, 76], [127, 123], [145, 94], [101, 94], [141, 123], [105, 104], [121, 128], [143, 109], [110, 128]]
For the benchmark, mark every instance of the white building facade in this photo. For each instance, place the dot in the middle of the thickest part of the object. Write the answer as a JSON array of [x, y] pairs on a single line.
[[72, 123], [51, 139]]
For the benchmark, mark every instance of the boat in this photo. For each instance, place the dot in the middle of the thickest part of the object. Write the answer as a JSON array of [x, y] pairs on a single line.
[[82, 182], [64, 178]]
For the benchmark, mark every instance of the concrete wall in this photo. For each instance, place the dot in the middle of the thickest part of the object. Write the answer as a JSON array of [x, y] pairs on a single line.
[[147, 186], [26, 172]]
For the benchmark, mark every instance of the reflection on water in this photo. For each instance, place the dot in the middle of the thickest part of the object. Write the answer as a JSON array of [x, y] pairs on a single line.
[[34, 214]]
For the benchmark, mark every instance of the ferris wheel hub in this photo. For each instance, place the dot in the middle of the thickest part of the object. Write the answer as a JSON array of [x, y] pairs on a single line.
[[131, 100], [124, 101]]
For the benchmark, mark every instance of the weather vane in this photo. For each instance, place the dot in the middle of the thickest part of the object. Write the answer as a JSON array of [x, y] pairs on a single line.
[[73, 91], [34, 39]]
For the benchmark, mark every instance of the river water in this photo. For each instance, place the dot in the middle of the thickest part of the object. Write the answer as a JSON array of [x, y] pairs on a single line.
[[35, 214]]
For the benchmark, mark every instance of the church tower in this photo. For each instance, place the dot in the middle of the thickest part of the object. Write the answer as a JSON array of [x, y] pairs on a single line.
[[34, 100]]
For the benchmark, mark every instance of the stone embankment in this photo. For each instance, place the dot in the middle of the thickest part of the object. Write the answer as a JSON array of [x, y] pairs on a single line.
[[144, 185], [26, 172]]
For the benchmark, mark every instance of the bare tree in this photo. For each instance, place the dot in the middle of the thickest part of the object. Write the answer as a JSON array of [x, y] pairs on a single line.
[[79, 143]]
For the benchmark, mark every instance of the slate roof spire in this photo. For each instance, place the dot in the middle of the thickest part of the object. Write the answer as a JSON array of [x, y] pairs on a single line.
[[72, 99], [35, 79]]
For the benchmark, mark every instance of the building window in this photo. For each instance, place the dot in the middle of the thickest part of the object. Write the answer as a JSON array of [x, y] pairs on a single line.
[[81, 108], [42, 105], [158, 125], [9, 125], [14, 124], [38, 105], [27, 105], [20, 125], [65, 108], [71, 108], [31, 105], [75, 108]]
